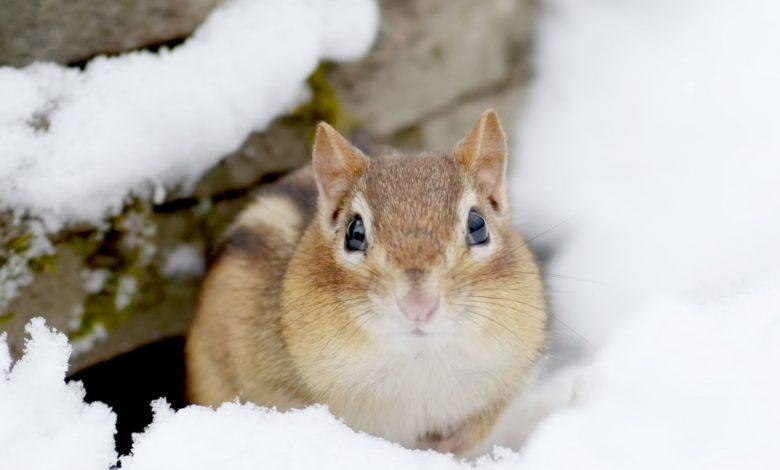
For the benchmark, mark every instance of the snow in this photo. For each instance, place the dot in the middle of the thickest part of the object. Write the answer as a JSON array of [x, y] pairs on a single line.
[[127, 288], [185, 261], [682, 384], [75, 143], [44, 423], [93, 280], [650, 136], [253, 436], [15, 272], [647, 164]]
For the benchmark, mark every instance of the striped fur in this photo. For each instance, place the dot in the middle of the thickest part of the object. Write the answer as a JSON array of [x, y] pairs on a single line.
[[287, 317]]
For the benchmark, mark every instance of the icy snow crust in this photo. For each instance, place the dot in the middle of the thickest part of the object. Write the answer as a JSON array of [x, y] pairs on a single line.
[[74, 143], [654, 125]]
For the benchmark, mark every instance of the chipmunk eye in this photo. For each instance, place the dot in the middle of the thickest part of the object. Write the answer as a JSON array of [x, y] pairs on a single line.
[[355, 239], [477, 229]]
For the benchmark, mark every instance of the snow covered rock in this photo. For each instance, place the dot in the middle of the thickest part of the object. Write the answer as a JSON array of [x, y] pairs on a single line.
[[76, 143], [97, 148]]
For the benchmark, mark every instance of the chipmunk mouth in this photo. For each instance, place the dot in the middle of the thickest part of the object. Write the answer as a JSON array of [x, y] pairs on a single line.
[[420, 332]]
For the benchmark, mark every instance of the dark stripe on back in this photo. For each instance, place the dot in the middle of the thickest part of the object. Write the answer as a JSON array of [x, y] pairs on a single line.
[[304, 196], [299, 188]]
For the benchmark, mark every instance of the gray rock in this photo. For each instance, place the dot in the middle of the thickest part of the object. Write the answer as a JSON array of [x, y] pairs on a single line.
[[68, 31], [431, 56]]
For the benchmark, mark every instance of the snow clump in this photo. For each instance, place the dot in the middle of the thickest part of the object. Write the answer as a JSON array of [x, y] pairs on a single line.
[[44, 422]]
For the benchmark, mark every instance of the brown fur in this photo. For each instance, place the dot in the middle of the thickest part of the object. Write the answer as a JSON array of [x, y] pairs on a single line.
[[287, 319]]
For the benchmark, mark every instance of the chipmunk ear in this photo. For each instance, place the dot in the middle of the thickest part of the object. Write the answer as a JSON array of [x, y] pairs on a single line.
[[483, 153], [337, 165]]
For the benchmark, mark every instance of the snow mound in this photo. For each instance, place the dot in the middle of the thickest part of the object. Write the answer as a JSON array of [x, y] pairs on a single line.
[[649, 145], [74, 143], [647, 166], [44, 422], [683, 383], [249, 437]]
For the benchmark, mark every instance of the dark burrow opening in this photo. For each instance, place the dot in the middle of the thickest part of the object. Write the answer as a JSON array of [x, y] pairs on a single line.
[[129, 383]]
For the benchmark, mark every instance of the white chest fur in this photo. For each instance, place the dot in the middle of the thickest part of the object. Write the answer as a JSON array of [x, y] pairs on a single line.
[[404, 393]]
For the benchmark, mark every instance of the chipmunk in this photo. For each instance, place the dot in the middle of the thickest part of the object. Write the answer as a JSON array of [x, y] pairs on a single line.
[[395, 290]]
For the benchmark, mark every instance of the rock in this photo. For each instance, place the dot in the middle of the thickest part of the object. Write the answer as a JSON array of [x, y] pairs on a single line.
[[442, 131], [67, 31], [430, 57], [280, 149]]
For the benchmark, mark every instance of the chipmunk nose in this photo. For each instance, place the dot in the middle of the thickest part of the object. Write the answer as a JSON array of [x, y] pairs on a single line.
[[419, 304]]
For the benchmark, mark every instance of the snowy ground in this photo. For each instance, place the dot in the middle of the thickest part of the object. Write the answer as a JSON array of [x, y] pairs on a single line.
[[649, 162]]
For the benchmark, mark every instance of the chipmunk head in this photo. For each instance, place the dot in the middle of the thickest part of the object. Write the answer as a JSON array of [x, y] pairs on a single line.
[[420, 246]]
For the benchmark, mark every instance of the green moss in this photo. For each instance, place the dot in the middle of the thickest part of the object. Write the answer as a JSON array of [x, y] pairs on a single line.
[[7, 316], [44, 263], [26, 245], [123, 249], [99, 308], [85, 244], [437, 52], [324, 103], [21, 243]]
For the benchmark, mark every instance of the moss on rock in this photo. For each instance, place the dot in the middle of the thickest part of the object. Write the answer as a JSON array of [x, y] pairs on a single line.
[[323, 105], [6, 317], [25, 250], [124, 251]]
